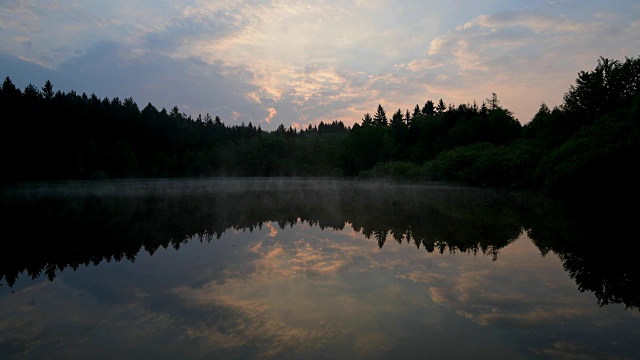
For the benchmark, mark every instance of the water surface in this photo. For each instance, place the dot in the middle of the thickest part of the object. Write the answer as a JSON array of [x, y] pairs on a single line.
[[299, 268]]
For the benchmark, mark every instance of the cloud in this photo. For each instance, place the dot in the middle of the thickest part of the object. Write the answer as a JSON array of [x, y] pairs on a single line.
[[478, 294], [196, 87], [421, 65], [521, 55], [25, 71], [306, 78], [529, 20], [319, 61], [273, 231], [57, 31]]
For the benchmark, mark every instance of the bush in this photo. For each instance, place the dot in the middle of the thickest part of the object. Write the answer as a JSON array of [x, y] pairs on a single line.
[[487, 165], [600, 160], [400, 170]]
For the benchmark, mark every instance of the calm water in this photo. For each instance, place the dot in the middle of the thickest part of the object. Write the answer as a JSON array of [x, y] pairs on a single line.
[[293, 269]]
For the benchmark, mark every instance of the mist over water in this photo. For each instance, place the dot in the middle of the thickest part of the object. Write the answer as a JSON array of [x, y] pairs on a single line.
[[290, 268]]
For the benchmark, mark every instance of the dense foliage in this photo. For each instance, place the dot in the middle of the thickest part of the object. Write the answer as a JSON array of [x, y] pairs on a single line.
[[585, 147]]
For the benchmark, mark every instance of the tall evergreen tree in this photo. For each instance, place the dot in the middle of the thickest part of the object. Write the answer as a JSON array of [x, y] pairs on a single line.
[[31, 92], [483, 108], [428, 108], [416, 111], [367, 119], [47, 90], [380, 117], [9, 89], [397, 117], [493, 101]]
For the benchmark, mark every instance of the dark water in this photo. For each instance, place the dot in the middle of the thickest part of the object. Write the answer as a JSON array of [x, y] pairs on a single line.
[[310, 269]]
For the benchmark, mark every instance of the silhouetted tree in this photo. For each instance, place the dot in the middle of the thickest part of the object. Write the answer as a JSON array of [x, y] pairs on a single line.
[[493, 101], [367, 119], [380, 117], [47, 90], [429, 108], [397, 117], [416, 111]]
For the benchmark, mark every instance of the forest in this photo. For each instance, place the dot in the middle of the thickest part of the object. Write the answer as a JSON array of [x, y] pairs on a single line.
[[587, 147]]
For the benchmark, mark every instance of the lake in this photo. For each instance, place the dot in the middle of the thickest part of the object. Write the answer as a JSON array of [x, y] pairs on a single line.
[[312, 268]]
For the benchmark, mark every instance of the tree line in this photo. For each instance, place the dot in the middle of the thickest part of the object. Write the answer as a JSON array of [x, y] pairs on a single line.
[[587, 146]]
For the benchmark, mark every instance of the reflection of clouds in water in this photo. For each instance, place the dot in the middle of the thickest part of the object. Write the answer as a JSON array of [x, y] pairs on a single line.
[[536, 316], [369, 344], [252, 323], [515, 292], [278, 262], [422, 277], [307, 291], [311, 259], [569, 351], [272, 230], [58, 305], [258, 318], [280, 316], [277, 306]]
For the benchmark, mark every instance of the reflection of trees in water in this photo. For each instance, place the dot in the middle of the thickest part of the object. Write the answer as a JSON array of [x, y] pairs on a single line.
[[51, 231], [471, 220], [59, 229], [597, 249]]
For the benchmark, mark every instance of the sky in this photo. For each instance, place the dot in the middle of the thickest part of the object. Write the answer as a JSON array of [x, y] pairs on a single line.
[[292, 62]]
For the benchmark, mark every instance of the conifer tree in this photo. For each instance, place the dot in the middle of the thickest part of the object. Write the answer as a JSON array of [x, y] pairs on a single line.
[[47, 90], [416, 111], [367, 119], [428, 108], [493, 101], [380, 117], [397, 117]]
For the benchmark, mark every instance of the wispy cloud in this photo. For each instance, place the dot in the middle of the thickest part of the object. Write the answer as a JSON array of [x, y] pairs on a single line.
[[522, 55], [318, 61], [477, 294]]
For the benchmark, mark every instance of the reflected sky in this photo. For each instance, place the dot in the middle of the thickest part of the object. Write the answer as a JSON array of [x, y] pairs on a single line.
[[299, 291]]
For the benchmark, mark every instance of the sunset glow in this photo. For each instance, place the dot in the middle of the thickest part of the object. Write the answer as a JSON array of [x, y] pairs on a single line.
[[307, 62]]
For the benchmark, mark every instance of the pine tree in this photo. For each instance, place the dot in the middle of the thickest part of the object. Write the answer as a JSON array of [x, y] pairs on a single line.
[[367, 119], [416, 111], [47, 90], [380, 118], [428, 108], [397, 117]]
